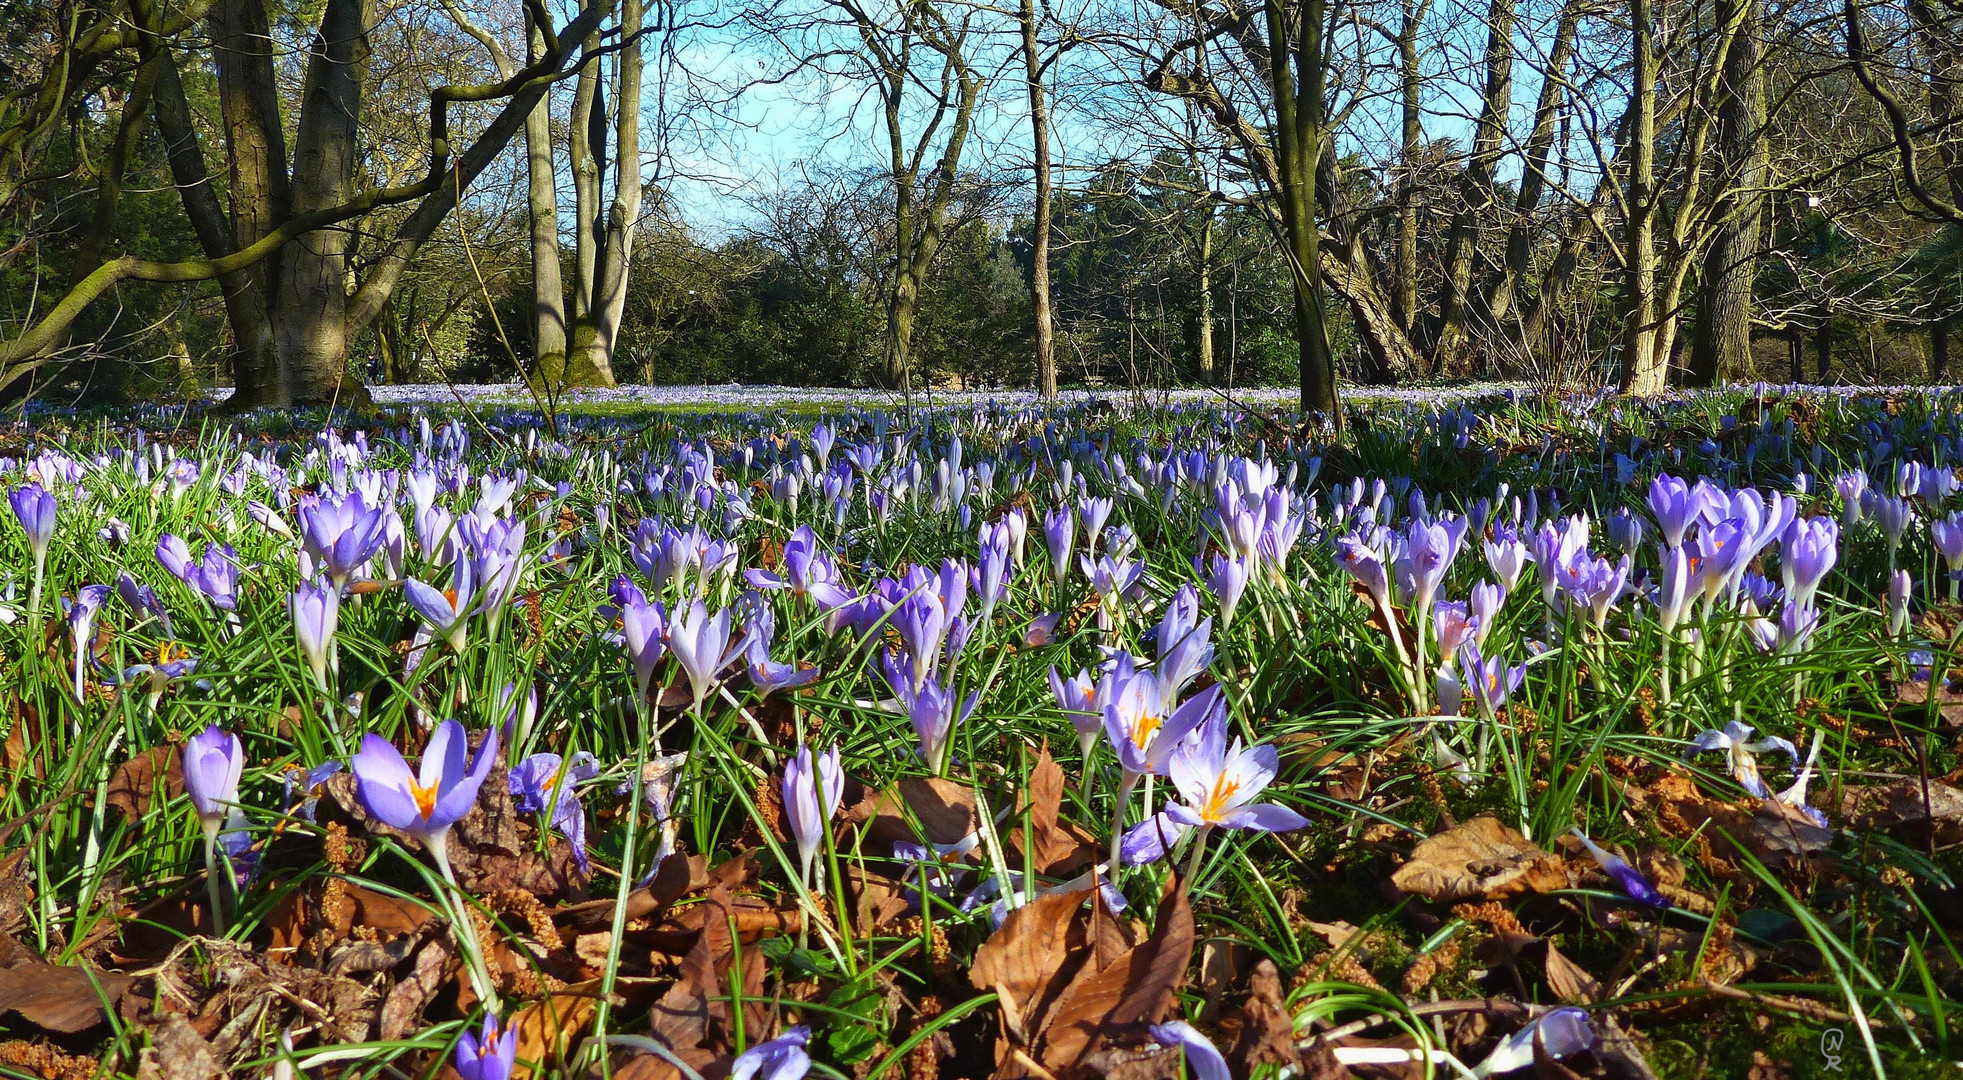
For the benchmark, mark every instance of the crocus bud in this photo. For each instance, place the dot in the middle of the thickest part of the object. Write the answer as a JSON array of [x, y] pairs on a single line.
[[813, 787], [35, 509], [1899, 587], [213, 760], [316, 612]]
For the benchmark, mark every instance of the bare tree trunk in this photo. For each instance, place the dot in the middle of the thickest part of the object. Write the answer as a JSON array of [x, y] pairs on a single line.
[[1939, 350], [1476, 185], [1643, 368], [310, 320], [257, 185], [1039, 246], [542, 202], [1296, 53], [1204, 285], [1410, 84], [1823, 349], [1723, 340], [596, 336], [586, 166], [1533, 179]]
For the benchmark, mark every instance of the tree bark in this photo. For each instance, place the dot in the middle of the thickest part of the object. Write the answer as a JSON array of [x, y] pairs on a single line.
[[1533, 178], [1204, 286], [1410, 84], [310, 320], [542, 204], [256, 183], [1643, 367], [1039, 245], [1823, 349], [1295, 53], [1939, 350], [1723, 339], [1476, 185], [596, 337]]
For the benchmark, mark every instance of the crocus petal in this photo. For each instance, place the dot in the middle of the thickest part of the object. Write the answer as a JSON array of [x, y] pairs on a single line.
[[1264, 817]]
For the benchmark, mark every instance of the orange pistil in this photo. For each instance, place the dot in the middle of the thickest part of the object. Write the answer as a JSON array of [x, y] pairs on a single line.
[[1144, 728], [425, 797], [1217, 800]]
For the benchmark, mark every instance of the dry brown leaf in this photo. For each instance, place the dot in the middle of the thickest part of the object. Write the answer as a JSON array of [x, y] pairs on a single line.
[[1141, 986], [548, 1028], [1480, 859], [1570, 981], [945, 810], [134, 784], [60, 999], [1905, 807], [402, 1010], [176, 1051], [1264, 1029]]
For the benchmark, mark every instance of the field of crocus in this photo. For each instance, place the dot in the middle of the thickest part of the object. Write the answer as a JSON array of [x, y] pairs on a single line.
[[1498, 736]]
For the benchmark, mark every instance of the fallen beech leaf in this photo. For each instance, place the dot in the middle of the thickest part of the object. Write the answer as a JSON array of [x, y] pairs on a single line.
[[547, 1028], [1024, 957], [402, 1010], [1570, 981], [176, 1051], [1140, 986], [1914, 695], [1901, 807], [945, 810], [1480, 859], [134, 785], [60, 999], [1264, 1029]]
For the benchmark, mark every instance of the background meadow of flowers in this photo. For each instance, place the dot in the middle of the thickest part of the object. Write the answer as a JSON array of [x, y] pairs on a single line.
[[1636, 719]]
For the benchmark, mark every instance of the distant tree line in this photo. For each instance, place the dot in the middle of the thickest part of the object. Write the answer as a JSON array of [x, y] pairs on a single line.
[[300, 199]]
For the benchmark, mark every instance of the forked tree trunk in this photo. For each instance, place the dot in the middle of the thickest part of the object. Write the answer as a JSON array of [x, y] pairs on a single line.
[[1644, 368], [596, 337], [1476, 186]]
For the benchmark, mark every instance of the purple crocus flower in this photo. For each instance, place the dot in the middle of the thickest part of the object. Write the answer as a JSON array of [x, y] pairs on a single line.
[[1429, 548], [781, 1058], [1851, 485], [1948, 536], [702, 646], [426, 803], [935, 712], [316, 610], [1454, 625], [1184, 643], [1060, 533], [80, 614], [1483, 604], [1560, 1033], [1807, 553], [490, 1056], [1076, 697], [1892, 515], [643, 624], [307, 784], [1900, 587], [1507, 555], [1203, 1060], [1674, 593], [1627, 878], [1219, 783], [1676, 505], [1735, 739], [142, 600], [447, 613], [1595, 584], [1625, 530], [341, 533], [1041, 630], [1143, 727], [544, 780], [813, 786], [1227, 579], [1492, 681], [214, 759], [1150, 840], [35, 509]]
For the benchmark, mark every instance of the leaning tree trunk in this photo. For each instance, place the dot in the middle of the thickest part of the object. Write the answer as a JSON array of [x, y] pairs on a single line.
[[257, 185], [310, 319], [1723, 338]]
